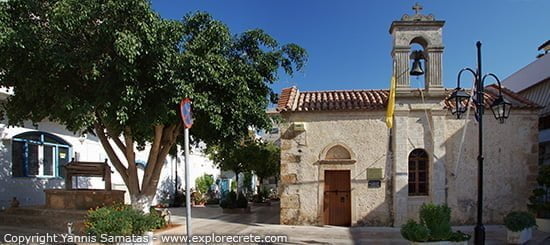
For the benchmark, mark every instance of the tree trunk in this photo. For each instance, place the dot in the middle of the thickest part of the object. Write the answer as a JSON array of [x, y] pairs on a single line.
[[142, 202], [261, 182], [164, 138], [237, 182]]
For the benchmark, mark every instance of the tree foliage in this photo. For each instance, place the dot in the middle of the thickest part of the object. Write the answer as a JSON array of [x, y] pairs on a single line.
[[204, 182], [117, 69], [263, 158]]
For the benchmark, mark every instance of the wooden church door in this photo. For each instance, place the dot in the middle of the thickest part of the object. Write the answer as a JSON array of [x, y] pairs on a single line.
[[337, 198]]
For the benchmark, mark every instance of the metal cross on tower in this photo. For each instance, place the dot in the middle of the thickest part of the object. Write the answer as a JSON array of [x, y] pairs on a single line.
[[417, 8]]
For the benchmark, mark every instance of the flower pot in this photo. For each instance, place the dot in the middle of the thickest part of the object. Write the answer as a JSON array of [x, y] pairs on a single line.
[[543, 225], [520, 237]]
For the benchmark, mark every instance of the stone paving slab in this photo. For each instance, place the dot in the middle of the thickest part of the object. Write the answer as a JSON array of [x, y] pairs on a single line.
[[264, 221]]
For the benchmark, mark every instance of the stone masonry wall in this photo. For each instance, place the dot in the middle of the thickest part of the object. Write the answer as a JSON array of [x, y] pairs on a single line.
[[302, 175], [510, 152], [510, 166]]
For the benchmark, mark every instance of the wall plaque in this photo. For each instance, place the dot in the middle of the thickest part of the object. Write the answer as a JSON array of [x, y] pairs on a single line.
[[375, 183], [374, 174]]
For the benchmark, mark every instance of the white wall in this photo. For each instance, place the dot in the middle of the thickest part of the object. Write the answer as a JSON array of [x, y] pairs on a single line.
[[29, 190]]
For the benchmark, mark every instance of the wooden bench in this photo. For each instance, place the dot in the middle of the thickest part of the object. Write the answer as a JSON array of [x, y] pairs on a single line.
[[88, 169]]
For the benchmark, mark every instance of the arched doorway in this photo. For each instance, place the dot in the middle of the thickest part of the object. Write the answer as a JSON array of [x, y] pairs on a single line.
[[337, 185]]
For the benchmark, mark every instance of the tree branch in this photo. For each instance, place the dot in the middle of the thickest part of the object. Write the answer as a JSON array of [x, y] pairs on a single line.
[[117, 141], [131, 158], [100, 132], [153, 154], [169, 139]]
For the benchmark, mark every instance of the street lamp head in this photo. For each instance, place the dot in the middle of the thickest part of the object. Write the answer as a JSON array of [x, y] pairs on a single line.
[[501, 108], [460, 99]]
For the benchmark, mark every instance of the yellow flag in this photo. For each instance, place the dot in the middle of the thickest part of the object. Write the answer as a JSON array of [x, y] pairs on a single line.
[[391, 104]]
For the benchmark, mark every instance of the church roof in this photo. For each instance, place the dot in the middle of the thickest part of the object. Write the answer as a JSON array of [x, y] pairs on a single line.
[[293, 100]]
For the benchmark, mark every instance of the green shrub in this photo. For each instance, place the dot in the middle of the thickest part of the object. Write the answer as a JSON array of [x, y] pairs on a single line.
[[518, 221], [121, 220], [204, 182], [157, 220], [262, 196], [179, 199], [437, 218], [434, 226], [230, 200], [458, 237], [413, 231], [242, 202]]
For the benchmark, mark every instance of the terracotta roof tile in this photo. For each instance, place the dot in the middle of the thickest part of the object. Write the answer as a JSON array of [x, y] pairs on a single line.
[[332, 100], [287, 98], [292, 100]]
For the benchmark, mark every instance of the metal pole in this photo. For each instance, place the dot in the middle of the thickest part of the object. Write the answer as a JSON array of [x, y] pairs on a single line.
[[176, 176], [187, 185], [479, 235]]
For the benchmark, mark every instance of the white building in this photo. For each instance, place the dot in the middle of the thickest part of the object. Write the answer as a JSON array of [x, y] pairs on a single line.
[[32, 156], [533, 83]]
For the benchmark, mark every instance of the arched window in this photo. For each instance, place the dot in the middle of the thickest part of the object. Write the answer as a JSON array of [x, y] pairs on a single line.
[[39, 154], [418, 173]]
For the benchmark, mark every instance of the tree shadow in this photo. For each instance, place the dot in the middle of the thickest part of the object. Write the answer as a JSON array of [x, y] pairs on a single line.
[[259, 214]]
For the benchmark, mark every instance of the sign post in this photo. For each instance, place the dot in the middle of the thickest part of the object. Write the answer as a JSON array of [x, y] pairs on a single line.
[[187, 117]]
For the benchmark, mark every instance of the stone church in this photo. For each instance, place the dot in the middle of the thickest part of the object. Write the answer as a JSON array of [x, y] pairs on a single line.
[[341, 164]]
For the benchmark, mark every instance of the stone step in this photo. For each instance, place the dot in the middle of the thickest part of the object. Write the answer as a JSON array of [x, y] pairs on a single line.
[[47, 222]]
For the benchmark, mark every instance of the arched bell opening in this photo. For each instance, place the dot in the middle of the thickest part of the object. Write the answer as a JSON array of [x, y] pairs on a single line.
[[418, 62]]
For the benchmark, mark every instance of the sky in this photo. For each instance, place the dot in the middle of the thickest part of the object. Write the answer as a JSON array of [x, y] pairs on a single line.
[[348, 41]]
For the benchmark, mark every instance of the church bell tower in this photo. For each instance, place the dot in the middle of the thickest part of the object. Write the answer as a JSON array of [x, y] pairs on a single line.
[[427, 32]]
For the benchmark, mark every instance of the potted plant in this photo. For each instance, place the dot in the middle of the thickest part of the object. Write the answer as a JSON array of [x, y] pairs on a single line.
[[262, 198], [198, 199], [540, 200], [232, 204], [434, 227], [519, 226], [179, 199]]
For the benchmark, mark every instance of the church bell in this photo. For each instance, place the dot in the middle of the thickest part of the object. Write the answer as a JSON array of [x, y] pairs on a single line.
[[416, 69]]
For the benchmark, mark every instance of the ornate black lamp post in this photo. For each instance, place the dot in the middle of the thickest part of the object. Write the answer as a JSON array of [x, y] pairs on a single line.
[[501, 111]]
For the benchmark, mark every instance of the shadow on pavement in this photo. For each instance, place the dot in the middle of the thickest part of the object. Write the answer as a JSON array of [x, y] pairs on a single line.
[[259, 214]]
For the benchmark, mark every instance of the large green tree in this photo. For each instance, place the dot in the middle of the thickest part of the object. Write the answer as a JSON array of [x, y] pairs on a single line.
[[262, 158], [118, 70], [265, 161]]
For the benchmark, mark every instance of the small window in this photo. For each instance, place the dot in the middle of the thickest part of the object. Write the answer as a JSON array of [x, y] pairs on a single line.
[[418, 173], [39, 154]]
